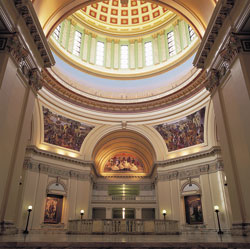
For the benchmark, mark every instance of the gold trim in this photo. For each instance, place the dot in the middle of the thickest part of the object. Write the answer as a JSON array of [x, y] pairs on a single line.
[[61, 91]]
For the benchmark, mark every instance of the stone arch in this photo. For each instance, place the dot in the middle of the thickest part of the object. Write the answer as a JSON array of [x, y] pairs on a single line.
[[56, 187]]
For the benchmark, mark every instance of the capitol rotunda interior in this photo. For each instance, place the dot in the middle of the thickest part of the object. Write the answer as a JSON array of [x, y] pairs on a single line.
[[124, 117]]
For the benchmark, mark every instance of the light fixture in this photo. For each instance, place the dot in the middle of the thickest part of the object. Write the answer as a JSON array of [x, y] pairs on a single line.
[[28, 218], [164, 212], [123, 213], [82, 213], [217, 210]]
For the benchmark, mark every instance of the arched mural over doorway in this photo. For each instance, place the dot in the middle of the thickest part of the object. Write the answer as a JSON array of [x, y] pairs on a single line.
[[124, 162]]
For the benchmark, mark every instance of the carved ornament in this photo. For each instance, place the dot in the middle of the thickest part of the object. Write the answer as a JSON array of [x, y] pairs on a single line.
[[186, 92]]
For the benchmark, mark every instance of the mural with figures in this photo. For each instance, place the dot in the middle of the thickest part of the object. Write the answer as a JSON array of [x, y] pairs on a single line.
[[53, 209], [185, 132], [64, 132], [124, 162]]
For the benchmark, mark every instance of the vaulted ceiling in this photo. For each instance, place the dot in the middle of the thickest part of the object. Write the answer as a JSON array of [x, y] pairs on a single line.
[[196, 12]]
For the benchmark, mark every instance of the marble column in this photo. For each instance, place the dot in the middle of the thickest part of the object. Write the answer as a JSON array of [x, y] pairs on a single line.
[[18, 89], [230, 92]]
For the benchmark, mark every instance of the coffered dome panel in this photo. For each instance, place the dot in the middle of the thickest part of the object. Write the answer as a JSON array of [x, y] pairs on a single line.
[[133, 17]]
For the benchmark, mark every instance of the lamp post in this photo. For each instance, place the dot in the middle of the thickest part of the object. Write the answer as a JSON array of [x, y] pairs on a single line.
[[26, 229], [216, 209], [82, 213], [164, 212]]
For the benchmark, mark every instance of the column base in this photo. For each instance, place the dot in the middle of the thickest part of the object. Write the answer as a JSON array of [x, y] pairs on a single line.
[[7, 228], [242, 229]]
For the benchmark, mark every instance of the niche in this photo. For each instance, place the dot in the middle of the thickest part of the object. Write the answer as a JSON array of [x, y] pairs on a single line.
[[54, 203], [192, 201], [53, 209]]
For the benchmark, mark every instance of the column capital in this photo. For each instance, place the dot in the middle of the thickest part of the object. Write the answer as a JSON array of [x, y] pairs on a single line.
[[11, 44], [232, 48], [213, 80], [93, 35], [35, 79]]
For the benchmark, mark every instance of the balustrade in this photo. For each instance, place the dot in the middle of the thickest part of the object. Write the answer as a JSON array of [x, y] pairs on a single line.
[[123, 198], [123, 226]]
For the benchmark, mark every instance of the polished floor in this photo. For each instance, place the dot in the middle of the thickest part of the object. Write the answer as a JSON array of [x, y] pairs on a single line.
[[124, 241]]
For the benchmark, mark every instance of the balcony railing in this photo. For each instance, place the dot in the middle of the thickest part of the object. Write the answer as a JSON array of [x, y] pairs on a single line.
[[123, 198], [120, 226]]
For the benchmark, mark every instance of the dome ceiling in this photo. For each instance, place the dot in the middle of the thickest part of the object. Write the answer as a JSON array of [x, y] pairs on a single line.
[[51, 13], [76, 28], [113, 16]]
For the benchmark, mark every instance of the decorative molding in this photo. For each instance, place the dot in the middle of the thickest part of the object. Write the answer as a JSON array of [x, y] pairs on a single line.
[[213, 151], [35, 79], [3, 43], [27, 12], [104, 186], [34, 150], [232, 48], [11, 44], [46, 168], [124, 125], [213, 80], [222, 11], [227, 54], [15, 48], [191, 172], [57, 181], [188, 91]]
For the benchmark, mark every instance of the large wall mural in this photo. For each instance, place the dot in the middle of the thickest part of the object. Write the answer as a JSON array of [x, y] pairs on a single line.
[[64, 132], [125, 163], [185, 132]]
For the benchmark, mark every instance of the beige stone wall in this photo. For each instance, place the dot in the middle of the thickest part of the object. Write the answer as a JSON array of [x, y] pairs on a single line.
[[212, 191], [39, 174]]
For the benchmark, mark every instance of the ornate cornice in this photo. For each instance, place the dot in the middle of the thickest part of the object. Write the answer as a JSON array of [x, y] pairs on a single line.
[[15, 48], [34, 150], [46, 168], [221, 12], [226, 57], [26, 10], [213, 151], [12, 44], [186, 92], [191, 172]]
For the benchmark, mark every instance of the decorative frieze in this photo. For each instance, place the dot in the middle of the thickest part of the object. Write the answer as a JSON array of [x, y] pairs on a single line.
[[16, 49], [46, 154], [227, 55], [213, 151], [232, 48], [25, 8], [190, 172], [223, 10], [186, 92], [12, 44], [35, 166]]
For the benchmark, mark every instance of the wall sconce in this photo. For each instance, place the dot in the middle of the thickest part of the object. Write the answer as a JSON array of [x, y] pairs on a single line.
[[217, 210], [82, 213], [164, 212], [28, 218]]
